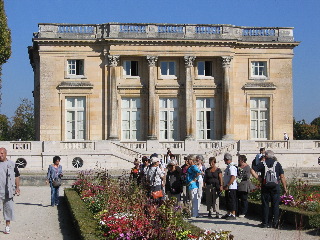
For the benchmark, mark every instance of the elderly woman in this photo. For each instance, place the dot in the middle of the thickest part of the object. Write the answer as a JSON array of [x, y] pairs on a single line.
[[155, 175], [193, 173], [244, 185], [54, 174], [213, 184], [173, 180]]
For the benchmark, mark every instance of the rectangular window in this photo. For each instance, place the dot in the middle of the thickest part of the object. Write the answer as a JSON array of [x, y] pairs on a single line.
[[130, 68], [130, 119], [205, 69], [259, 118], [75, 118], [259, 69], [205, 118], [168, 111], [75, 67], [168, 68]]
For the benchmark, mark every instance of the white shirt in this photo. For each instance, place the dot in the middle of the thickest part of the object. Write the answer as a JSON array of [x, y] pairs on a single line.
[[231, 170]]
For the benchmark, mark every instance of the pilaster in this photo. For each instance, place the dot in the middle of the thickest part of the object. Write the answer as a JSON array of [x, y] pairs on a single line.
[[189, 62], [113, 102], [152, 135]]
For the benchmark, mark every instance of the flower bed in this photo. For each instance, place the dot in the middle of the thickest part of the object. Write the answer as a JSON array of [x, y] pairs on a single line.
[[122, 211]]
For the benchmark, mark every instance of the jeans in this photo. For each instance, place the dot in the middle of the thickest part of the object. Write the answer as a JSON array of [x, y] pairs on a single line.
[[242, 202], [54, 195], [267, 196]]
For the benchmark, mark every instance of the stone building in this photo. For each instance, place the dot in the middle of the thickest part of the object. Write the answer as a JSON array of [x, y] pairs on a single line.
[[163, 82]]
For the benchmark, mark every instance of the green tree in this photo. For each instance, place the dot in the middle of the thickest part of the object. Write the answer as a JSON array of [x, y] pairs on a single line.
[[4, 128], [5, 41], [304, 131], [316, 122], [23, 122]]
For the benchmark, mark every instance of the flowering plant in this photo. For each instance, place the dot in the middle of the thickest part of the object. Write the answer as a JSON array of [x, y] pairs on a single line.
[[287, 200]]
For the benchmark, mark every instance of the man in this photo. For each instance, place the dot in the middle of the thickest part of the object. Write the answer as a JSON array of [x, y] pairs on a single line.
[[230, 187], [9, 186], [257, 160], [270, 194], [193, 173]]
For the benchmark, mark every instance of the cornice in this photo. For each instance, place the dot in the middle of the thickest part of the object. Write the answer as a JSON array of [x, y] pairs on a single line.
[[75, 84]]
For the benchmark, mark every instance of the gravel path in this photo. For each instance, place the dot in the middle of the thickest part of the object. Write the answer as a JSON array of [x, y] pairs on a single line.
[[247, 229], [36, 219]]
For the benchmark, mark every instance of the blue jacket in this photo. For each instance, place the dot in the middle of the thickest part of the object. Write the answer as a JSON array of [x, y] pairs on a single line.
[[53, 172]]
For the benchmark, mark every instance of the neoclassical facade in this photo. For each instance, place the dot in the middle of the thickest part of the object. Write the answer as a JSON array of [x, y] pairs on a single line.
[[164, 82]]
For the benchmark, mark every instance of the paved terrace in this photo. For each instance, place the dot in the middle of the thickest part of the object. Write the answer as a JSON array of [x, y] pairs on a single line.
[[36, 219]]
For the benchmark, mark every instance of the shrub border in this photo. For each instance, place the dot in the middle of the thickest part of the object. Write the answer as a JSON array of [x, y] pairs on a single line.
[[83, 219]]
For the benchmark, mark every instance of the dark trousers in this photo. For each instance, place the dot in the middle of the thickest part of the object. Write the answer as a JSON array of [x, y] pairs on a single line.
[[242, 202], [267, 196], [231, 199]]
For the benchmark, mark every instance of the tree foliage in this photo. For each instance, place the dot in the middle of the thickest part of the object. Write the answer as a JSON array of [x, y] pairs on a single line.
[[5, 127], [304, 131], [23, 122], [5, 40]]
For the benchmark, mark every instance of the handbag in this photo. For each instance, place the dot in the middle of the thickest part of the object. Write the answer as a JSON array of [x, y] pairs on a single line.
[[157, 194], [56, 182]]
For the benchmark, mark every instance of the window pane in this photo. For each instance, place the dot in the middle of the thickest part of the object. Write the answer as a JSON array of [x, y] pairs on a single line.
[[134, 68], [171, 68], [201, 68], [208, 68], [163, 68]]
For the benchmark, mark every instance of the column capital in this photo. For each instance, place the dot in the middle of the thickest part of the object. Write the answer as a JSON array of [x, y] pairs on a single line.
[[152, 60], [189, 60], [113, 60], [226, 61]]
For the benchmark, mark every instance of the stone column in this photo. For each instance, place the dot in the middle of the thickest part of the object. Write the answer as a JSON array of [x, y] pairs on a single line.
[[189, 61], [113, 102], [152, 60], [226, 106]]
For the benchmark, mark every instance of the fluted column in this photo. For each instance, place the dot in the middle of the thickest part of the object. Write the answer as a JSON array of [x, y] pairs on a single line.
[[189, 61], [152, 60], [227, 120], [113, 102]]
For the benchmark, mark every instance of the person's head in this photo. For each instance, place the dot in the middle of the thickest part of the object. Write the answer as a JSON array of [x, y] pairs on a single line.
[[212, 161], [262, 150], [199, 159], [269, 154], [262, 158], [242, 159], [227, 158], [56, 160], [172, 157], [155, 161], [172, 165], [3, 154], [191, 159]]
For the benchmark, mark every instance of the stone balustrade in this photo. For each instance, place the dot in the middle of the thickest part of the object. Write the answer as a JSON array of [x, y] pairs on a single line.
[[164, 31], [120, 155]]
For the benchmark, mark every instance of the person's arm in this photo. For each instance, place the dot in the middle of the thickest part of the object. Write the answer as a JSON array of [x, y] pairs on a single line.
[[284, 183]]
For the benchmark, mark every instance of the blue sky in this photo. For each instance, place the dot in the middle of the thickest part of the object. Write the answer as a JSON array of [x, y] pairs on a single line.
[[303, 15]]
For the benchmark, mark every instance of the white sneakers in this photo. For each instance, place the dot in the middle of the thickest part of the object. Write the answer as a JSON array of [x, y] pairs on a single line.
[[7, 230]]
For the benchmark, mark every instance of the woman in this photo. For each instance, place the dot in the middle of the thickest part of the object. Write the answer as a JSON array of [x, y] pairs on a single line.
[[173, 181], [244, 185], [54, 173], [213, 184], [193, 173], [155, 176], [134, 174]]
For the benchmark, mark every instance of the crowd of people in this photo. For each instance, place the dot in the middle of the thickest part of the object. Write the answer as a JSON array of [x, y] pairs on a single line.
[[192, 183]]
